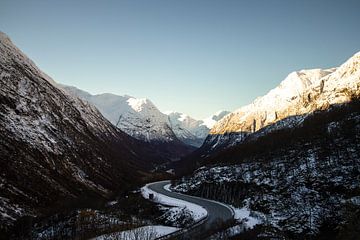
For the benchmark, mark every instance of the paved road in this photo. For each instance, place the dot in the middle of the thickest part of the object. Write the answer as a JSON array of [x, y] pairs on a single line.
[[216, 211]]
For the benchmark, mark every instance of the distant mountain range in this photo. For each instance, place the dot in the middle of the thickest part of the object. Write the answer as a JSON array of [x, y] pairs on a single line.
[[141, 119]]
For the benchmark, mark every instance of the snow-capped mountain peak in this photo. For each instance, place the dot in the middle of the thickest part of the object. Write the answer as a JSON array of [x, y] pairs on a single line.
[[138, 117], [299, 94]]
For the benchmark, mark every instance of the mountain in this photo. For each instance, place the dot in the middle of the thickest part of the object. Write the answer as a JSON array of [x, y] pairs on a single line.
[[295, 165], [191, 131], [187, 129], [300, 94], [57, 151], [139, 118]]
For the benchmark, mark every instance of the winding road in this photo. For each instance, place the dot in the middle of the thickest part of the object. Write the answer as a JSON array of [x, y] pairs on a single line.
[[216, 211]]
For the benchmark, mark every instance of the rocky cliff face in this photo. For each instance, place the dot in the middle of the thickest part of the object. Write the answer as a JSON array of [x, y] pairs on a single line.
[[55, 149], [300, 94]]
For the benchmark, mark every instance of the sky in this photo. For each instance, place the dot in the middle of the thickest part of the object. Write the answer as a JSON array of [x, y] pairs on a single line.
[[191, 56]]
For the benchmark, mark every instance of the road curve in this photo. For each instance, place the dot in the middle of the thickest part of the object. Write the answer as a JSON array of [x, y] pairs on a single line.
[[216, 211]]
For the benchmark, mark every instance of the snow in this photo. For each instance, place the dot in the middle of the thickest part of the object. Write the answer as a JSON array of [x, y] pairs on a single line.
[[167, 187], [196, 211], [212, 120], [145, 233], [298, 95], [45, 119], [289, 197], [138, 117], [277, 99], [137, 104], [243, 215], [186, 127], [244, 219]]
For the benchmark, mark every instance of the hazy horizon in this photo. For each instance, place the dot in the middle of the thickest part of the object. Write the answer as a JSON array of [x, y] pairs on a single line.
[[191, 57]]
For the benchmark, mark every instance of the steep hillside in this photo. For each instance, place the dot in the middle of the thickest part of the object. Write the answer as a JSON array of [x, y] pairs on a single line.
[[55, 149]]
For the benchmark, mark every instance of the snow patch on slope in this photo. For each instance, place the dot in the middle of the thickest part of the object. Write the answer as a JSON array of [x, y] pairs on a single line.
[[137, 104]]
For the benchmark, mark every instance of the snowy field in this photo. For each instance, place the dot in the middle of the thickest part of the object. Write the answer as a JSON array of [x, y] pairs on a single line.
[[143, 233]]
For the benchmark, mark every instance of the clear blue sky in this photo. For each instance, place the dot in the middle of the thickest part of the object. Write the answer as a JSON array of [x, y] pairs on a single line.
[[190, 56]]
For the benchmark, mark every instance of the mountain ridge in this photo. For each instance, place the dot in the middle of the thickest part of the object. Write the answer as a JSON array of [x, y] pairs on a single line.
[[140, 118], [301, 92]]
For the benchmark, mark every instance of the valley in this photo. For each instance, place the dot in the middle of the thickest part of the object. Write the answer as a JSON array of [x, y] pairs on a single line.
[[76, 165]]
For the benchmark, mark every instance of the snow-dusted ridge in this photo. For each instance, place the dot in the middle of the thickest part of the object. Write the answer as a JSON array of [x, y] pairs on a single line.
[[297, 96]]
